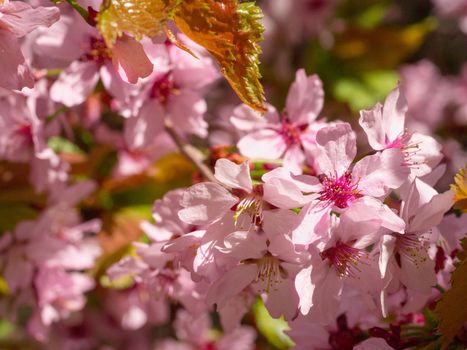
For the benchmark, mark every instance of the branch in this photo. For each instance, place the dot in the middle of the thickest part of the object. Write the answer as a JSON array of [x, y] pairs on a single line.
[[190, 152]]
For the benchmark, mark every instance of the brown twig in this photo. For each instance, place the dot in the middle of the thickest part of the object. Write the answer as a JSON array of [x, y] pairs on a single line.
[[190, 152]]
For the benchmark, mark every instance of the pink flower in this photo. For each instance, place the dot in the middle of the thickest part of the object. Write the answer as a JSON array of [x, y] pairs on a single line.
[[291, 135], [339, 185], [173, 91], [208, 202], [17, 19], [385, 128], [341, 255], [90, 60], [60, 293], [404, 256], [266, 262], [23, 139]]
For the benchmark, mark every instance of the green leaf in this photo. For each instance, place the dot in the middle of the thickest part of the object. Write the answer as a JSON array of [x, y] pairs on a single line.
[[271, 328], [13, 213], [363, 91], [62, 145]]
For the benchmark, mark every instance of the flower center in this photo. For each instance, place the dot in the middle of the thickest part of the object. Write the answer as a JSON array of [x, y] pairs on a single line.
[[98, 52], [270, 272], [345, 259], [291, 132], [339, 191], [163, 87], [412, 248], [409, 149], [25, 132], [249, 211]]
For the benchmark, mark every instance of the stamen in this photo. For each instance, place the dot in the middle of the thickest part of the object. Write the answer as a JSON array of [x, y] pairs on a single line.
[[252, 206], [409, 150], [339, 191], [412, 247], [291, 132], [345, 259], [164, 87], [98, 52], [269, 272]]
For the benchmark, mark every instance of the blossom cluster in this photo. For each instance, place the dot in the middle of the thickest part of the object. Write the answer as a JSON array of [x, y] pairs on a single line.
[[345, 228]]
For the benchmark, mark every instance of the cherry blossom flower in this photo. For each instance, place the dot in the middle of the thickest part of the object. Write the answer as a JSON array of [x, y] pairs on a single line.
[[385, 128], [404, 256], [289, 135]]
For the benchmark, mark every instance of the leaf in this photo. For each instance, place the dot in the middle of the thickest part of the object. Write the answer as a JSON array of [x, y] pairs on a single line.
[[364, 91], [271, 328], [138, 18], [230, 31], [62, 145], [451, 309], [13, 213], [460, 190]]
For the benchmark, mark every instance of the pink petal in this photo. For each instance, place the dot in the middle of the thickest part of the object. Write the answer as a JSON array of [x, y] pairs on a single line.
[[306, 183], [372, 123], [244, 245], [284, 194], [204, 203], [279, 222], [75, 84], [283, 300], [233, 175], [431, 213], [378, 173], [338, 149], [20, 18], [314, 222], [140, 131], [130, 60], [388, 246], [15, 72], [231, 283], [394, 110], [247, 119], [304, 287], [242, 338], [418, 273], [294, 159], [186, 110], [262, 144], [426, 156], [305, 99]]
